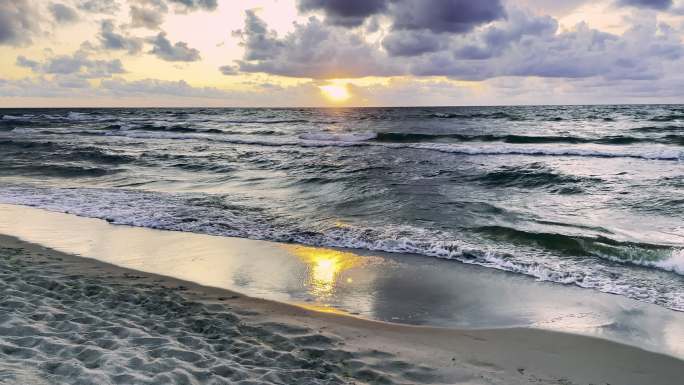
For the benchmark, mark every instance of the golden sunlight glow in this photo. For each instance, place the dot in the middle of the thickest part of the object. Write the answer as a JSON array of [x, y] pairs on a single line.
[[325, 267], [335, 92]]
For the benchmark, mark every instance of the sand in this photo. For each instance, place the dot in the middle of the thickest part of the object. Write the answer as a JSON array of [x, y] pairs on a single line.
[[397, 288], [71, 320]]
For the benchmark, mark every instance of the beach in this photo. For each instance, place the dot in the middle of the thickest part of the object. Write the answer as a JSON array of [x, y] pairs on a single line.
[[70, 319], [329, 192]]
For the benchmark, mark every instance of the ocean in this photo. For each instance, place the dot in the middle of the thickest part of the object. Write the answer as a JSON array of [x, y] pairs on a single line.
[[591, 196]]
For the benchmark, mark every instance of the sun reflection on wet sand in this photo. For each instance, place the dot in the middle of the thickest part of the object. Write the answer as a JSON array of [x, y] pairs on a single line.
[[325, 267]]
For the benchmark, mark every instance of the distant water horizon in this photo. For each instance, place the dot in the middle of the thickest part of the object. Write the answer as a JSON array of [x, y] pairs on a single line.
[[321, 107], [585, 195]]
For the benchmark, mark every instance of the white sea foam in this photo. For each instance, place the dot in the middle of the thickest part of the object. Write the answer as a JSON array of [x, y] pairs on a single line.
[[80, 116], [674, 263], [15, 117]]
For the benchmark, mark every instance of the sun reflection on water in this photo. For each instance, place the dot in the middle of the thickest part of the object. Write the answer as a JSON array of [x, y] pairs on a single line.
[[325, 267]]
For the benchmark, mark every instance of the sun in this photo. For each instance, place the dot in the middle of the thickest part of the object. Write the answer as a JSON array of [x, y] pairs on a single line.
[[335, 93]]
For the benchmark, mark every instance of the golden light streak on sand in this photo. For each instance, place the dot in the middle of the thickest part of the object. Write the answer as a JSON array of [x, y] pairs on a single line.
[[325, 266]]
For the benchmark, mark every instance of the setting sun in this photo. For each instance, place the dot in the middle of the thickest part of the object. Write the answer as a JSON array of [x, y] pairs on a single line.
[[335, 93]]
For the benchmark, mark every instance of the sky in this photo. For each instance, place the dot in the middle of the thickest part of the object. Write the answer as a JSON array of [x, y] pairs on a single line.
[[290, 53]]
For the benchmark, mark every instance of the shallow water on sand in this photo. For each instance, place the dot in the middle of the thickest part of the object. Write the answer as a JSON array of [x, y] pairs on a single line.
[[584, 195], [390, 287]]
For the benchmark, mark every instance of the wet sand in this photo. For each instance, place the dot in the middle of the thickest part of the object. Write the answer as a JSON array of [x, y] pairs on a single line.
[[397, 288], [73, 320]]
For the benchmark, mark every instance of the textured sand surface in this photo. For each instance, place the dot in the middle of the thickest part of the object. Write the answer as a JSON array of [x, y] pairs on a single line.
[[68, 320]]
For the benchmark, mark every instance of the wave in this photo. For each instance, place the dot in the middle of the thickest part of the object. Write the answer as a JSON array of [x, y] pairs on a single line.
[[396, 137], [667, 118], [338, 137], [176, 128], [475, 115], [232, 216], [535, 175], [669, 128], [78, 116], [642, 254], [368, 139], [58, 170], [26, 144], [638, 153], [282, 121], [60, 152], [23, 117], [186, 129], [328, 139]]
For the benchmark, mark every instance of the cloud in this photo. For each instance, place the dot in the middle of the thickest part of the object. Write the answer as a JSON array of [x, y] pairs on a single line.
[[75, 87], [229, 70], [312, 50], [111, 40], [259, 42], [34, 87], [521, 45], [22, 61], [148, 14], [495, 39], [99, 6], [63, 13], [411, 43], [652, 4], [18, 22], [193, 5], [348, 13], [527, 46], [161, 87], [178, 52], [546, 7], [453, 16], [78, 64]]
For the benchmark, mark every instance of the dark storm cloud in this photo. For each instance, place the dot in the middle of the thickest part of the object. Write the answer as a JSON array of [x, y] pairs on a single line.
[[348, 13], [653, 4], [489, 42], [112, 40], [454, 16], [63, 13], [18, 22], [178, 52]]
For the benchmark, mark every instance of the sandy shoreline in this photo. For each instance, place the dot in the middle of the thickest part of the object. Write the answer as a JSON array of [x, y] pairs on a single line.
[[66, 319]]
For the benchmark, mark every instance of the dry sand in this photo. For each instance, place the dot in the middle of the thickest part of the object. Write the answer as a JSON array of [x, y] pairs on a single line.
[[71, 320]]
